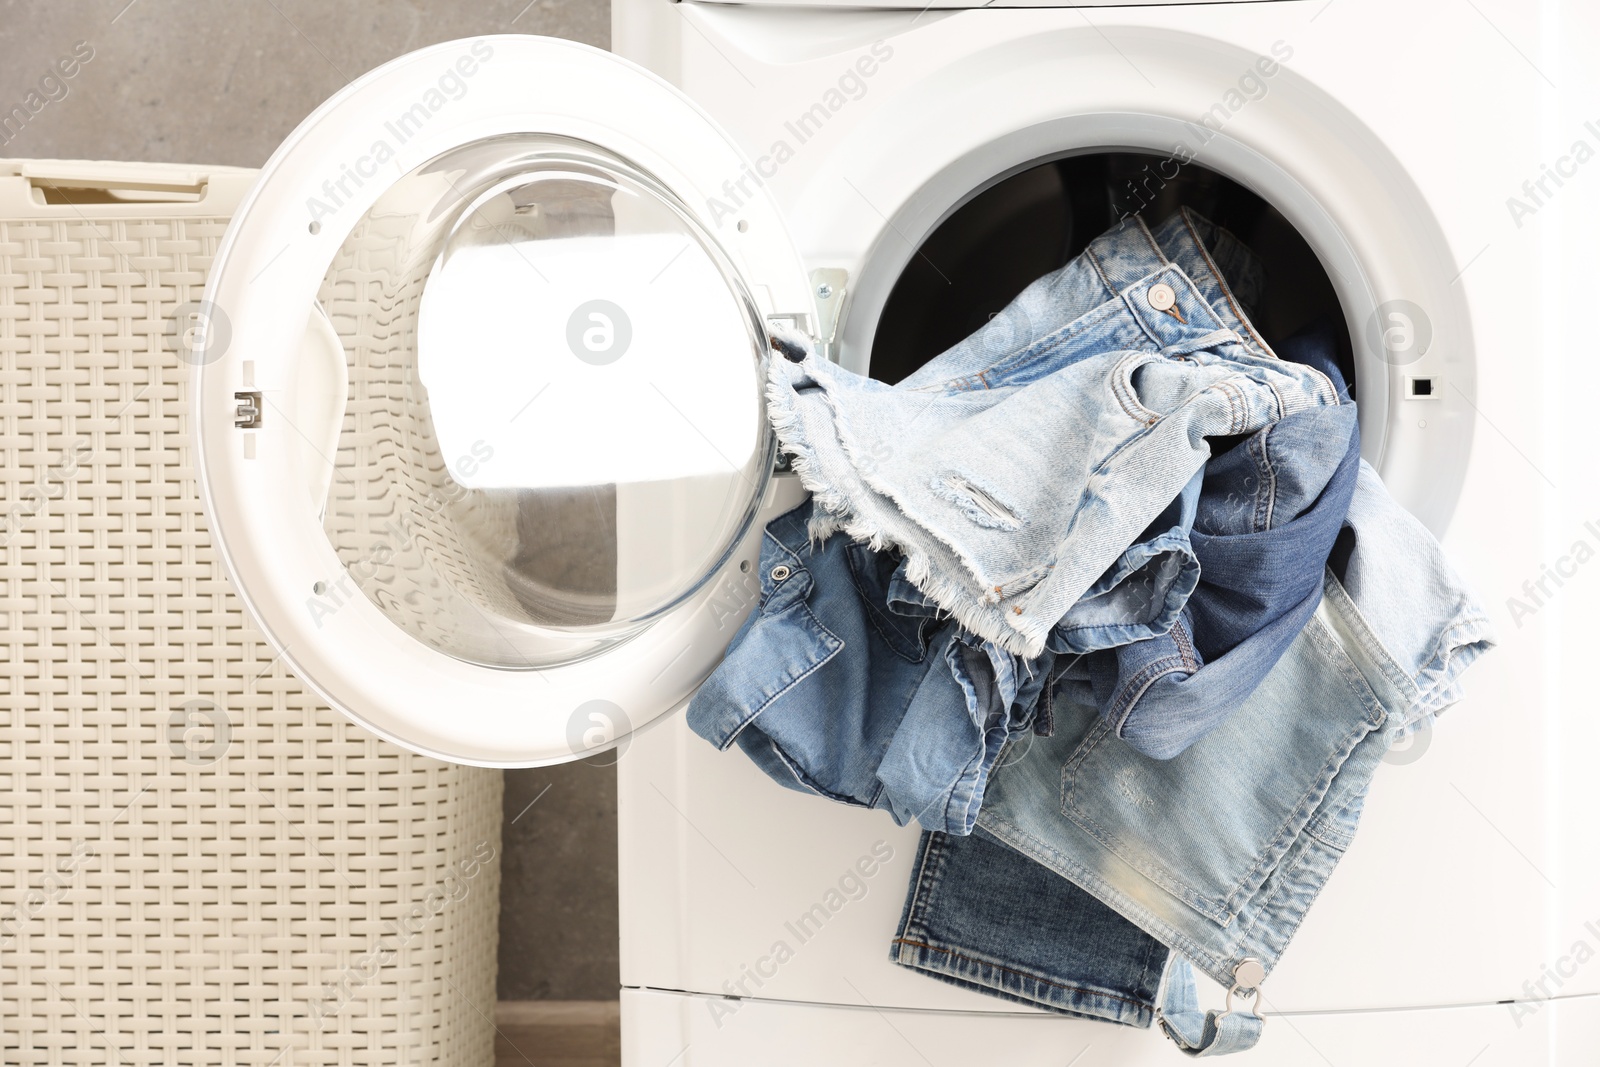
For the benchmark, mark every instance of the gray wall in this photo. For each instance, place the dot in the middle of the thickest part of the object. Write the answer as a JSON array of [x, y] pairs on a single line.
[[223, 81]]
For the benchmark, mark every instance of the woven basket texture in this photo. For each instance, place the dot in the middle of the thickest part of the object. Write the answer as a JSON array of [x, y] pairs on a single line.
[[199, 863]]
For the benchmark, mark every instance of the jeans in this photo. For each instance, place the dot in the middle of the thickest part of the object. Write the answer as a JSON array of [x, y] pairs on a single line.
[[1012, 486], [1227, 273], [1386, 560], [1225, 883], [1214, 260], [847, 683], [1142, 594], [1283, 778], [1269, 511], [984, 917], [1396, 574], [869, 698]]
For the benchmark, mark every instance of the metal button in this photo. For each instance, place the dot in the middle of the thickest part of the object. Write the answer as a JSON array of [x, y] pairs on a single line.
[[779, 573], [1161, 296], [1249, 974]]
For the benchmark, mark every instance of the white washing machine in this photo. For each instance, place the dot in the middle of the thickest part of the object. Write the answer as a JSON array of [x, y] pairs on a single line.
[[471, 521]]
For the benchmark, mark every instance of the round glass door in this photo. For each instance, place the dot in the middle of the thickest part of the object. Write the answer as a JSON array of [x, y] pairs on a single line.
[[530, 403]]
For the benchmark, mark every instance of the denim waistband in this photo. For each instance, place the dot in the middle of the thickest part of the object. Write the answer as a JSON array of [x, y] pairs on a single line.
[[1219, 263], [1216, 262], [1052, 306]]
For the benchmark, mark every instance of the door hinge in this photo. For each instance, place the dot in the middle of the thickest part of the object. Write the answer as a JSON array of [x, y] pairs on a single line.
[[829, 288]]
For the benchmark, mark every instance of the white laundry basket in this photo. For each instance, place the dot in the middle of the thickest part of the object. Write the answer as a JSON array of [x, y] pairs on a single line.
[[199, 863]]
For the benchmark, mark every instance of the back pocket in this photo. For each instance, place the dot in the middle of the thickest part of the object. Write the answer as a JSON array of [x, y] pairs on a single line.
[[1209, 825]]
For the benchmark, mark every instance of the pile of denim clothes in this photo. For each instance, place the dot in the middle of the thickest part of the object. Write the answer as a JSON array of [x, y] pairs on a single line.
[[1105, 598]]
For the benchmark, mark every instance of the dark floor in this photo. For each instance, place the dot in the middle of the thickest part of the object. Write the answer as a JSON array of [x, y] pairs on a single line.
[[567, 1033], [223, 81]]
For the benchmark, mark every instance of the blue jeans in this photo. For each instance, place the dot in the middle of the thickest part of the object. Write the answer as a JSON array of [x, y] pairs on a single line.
[[1282, 780], [846, 683], [1395, 573], [1268, 513], [1224, 272], [1227, 273], [1013, 485], [984, 917], [1227, 882]]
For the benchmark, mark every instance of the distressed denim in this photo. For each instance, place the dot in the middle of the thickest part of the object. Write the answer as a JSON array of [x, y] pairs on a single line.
[[1230, 880], [1013, 486], [847, 683], [1127, 828], [1143, 592], [1269, 511]]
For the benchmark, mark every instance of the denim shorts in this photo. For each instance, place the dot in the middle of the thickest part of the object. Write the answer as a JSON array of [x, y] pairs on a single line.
[[1013, 485]]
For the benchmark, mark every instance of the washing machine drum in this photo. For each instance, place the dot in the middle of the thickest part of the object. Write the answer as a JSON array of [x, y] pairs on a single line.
[[481, 415]]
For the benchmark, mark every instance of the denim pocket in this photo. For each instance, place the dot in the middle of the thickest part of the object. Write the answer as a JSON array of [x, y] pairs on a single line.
[[1210, 825]]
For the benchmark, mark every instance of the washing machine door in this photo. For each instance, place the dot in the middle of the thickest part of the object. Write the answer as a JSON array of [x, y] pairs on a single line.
[[479, 398]]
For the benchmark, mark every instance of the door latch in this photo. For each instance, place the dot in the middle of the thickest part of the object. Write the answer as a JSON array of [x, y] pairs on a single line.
[[247, 416]]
